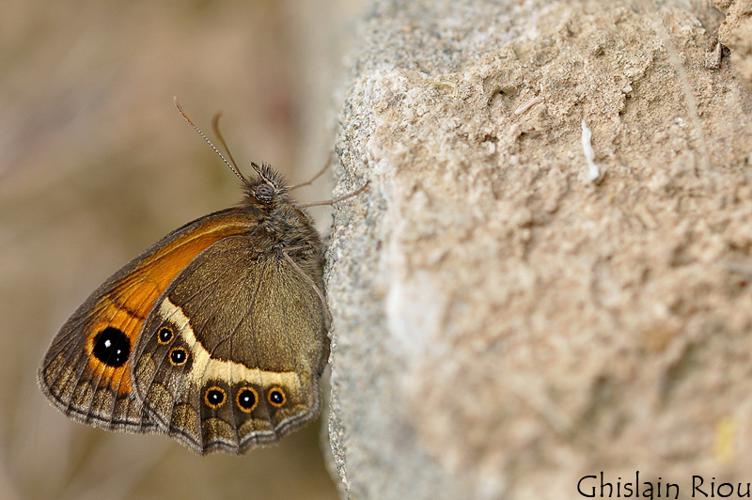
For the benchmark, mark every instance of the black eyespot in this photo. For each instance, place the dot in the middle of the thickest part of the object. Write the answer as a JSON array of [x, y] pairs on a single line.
[[264, 193], [178, 356], [276, 397], [111, 347], [214, 397], [165, 335], [247, 399]]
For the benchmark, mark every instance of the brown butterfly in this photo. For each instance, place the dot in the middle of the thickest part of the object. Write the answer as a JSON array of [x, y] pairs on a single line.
[[216, 335]]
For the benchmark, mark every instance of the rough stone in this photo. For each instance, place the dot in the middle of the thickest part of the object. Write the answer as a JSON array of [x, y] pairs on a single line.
[[736, 34], [503, 325]]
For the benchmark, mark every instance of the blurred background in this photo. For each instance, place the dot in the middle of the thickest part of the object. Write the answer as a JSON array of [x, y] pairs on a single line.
[[96, 165]]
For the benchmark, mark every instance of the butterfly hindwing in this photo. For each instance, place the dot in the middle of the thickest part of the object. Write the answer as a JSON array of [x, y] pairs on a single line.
[[231, 354], [87, 369]]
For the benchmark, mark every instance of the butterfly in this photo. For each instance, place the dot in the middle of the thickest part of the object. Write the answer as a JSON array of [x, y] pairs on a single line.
[[216, 335]]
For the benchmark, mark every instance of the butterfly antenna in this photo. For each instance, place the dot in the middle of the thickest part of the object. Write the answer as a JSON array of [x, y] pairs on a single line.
[[221, 138], [231, 165]]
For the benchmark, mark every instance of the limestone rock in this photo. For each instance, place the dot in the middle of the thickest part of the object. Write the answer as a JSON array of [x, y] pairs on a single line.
[[736, 34], [503, 323]]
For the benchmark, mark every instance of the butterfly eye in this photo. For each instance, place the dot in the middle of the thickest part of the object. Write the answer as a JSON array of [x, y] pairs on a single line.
[[178, 356], [247, 399], [165, 335], [215, 397], [276, 397], [264, 193]]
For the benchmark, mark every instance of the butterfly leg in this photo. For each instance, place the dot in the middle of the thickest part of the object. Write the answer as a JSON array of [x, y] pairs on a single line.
[[337, 199], [318, 174]]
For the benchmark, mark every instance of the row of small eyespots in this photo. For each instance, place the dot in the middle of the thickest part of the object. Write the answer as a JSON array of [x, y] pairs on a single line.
[[246, 398], [178, 356], [215, 397]]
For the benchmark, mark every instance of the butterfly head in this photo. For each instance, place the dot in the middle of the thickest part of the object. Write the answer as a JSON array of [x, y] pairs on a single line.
[[268, 189]]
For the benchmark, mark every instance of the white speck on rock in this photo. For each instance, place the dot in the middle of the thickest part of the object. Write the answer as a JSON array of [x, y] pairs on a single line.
[[593, 170]]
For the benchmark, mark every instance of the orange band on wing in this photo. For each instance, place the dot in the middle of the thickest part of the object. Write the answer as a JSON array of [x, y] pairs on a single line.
[[127, 306]]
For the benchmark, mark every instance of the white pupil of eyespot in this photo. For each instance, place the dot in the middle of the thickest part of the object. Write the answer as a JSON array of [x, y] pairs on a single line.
[[107, 343]]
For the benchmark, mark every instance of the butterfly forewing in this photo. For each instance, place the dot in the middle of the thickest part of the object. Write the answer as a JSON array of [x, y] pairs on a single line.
[[87, 370]]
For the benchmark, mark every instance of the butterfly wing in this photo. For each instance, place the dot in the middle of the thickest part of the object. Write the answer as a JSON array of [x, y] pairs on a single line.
[[230, 356], [86, 371]]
